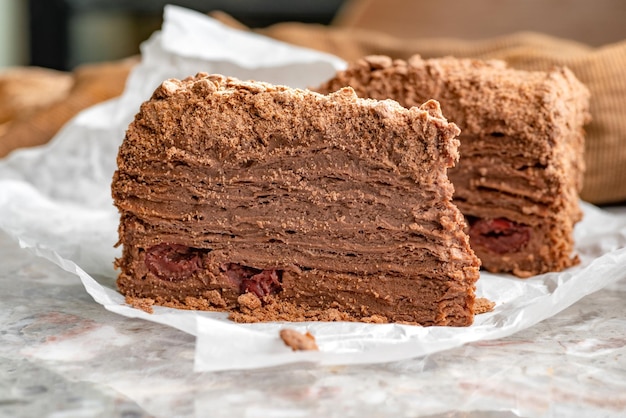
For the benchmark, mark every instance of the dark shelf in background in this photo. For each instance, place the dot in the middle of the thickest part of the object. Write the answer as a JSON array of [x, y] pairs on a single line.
[[51, 20]]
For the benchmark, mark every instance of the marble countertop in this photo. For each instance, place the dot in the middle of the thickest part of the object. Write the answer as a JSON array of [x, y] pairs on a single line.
[[63, 355]]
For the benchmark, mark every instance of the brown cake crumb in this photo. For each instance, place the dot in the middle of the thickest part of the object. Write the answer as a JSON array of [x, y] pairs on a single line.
[[197, 304], [483, 305], [214, 298], [375, 319], [298, 341], [249, 302], [275, 310], [145, 304]]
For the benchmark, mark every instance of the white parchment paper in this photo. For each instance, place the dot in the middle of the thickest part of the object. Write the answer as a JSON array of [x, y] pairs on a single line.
[[55, 200]]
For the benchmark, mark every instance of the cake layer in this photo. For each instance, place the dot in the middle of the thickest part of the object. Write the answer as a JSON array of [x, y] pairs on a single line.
[[283, 204], [521, 165]]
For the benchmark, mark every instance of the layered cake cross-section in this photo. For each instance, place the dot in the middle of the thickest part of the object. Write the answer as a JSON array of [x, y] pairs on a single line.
[[274, 203], [522, 150]]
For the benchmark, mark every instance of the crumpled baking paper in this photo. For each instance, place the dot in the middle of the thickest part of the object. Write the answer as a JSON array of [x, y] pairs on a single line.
[[55, 200]]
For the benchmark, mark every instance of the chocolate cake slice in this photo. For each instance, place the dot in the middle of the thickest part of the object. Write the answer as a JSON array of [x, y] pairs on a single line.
[[522, 144], [274, 203]]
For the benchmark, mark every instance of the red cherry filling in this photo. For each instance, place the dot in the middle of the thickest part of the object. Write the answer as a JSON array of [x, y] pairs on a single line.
[[173, 262], [251, 280], [499, 235]]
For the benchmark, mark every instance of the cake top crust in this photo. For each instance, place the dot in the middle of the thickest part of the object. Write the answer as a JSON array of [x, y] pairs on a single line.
[[215, 119], [487, 94]]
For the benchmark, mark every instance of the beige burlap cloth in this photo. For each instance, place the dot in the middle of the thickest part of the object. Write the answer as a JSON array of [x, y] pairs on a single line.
[[602, 69], [36, 102]]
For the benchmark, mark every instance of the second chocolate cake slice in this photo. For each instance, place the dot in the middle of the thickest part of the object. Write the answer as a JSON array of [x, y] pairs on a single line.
[[281, 204], [522, 144]]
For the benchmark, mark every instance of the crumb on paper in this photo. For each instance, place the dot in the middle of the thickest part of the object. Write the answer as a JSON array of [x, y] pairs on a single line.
[[145, 304], [249, 302], [375, 319], [483, 305], [298, 341]]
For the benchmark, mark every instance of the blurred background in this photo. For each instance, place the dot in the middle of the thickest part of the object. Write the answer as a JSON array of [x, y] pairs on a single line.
[[62, 34], [58, 57]]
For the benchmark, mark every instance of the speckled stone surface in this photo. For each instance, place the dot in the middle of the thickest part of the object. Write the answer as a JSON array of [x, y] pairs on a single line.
[[63, 355]]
